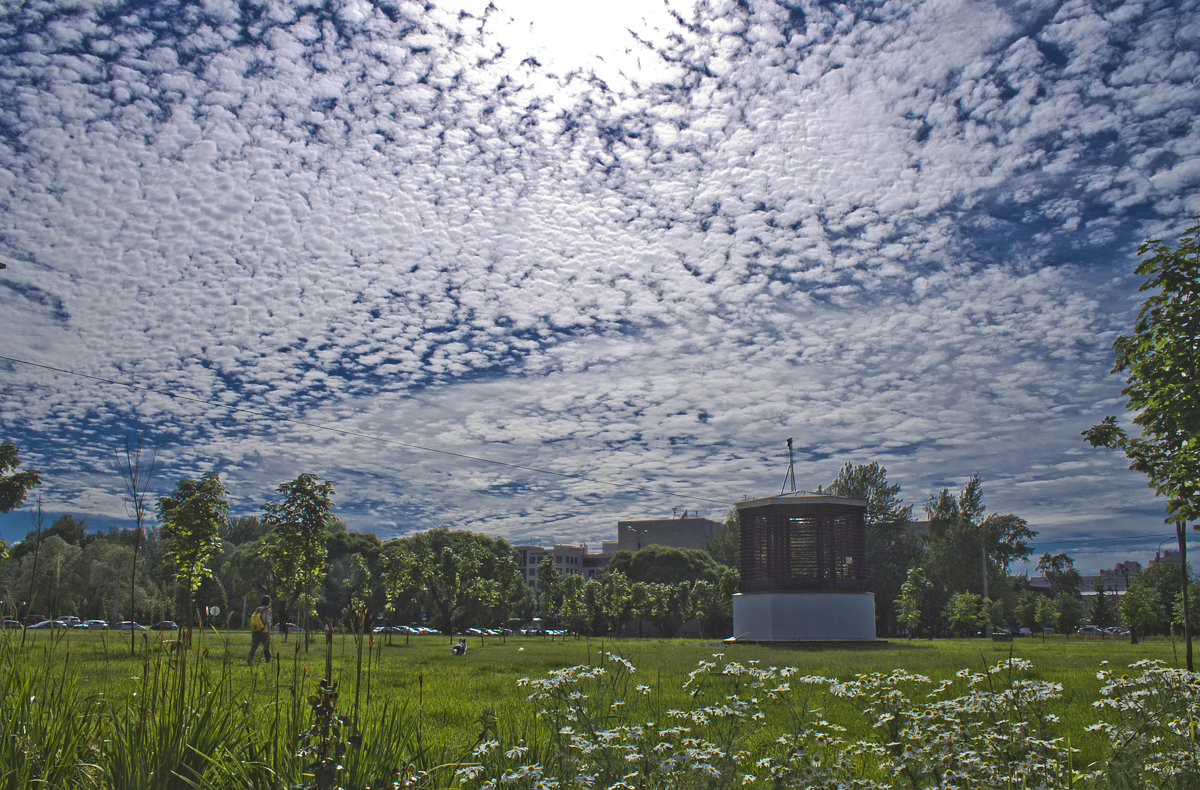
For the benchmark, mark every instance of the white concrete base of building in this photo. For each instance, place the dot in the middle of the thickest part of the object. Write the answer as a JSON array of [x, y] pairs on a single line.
[[804, 617]]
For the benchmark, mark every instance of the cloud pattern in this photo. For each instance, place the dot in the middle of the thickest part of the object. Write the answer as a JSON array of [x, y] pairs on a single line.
[[900, 232]]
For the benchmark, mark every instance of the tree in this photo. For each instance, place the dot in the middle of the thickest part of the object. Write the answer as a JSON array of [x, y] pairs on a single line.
[[72, 530], [992, 613], [243, 529], [58, 575], [665, 565], [243, 568], [1007, 538], [191, 519], [712, 604], [549, 584], [1137, 609], [298, 539], [668, 604], [402, 579], [1101, 611], [463, 576], [615, 592], [641, 603], [573, 613], [1060, 574], [343, 551], [1161, 364], [1177, 607], [1047, 612], [725, 544], [1070, 612], [966, 549], [890, 548], [1161, 581], [908, 605], [1025, 610], [964, 613], [14, 483], [136, 478]]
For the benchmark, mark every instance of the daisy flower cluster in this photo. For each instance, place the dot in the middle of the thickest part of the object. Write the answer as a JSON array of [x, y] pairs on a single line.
[[978, 730], [1152, 722]]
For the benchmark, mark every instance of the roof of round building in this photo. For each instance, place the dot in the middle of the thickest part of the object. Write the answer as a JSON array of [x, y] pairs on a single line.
[[800, 498]]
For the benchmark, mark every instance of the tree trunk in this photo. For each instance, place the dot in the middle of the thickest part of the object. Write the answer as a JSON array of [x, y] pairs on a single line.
[[1181, 534], [137, 545]]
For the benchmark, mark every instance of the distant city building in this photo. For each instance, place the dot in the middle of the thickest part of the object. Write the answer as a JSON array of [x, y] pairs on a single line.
[[1115, 579], [1170, 555], [567, 558], [680, 533], [1118, 577], [919, 529]]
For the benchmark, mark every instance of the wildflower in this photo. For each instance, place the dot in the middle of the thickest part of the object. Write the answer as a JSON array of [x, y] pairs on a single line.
[[468, 773], [484, 748]]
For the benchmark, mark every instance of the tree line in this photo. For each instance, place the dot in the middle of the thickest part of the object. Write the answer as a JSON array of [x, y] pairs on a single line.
[[948, 575], [200, 560]]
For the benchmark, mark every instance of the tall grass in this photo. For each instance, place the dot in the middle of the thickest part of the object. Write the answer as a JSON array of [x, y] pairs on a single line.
[[580, 713]]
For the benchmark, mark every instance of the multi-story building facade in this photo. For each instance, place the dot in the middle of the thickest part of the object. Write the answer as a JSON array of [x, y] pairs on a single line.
[[682, 533], [567, 558]]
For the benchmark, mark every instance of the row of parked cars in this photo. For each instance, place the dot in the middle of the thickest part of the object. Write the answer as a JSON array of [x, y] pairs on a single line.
[[1095, 630], [70, 621], [416, 630], [404, 629]]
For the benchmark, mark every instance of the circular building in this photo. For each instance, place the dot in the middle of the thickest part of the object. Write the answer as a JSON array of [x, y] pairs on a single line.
[[803, 565]]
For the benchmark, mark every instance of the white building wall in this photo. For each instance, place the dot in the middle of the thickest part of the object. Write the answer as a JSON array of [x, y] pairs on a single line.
[[804, 617]]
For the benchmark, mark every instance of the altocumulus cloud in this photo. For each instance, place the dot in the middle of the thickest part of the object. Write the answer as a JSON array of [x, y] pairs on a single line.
[[898, 232]]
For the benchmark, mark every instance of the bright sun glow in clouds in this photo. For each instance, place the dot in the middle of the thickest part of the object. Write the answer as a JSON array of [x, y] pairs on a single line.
[[594, 36]]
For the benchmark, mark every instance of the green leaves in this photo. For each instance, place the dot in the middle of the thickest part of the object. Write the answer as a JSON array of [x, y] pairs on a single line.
[[14, 486], [192, 517], [464, 576], [1161, 360], [299, 532]]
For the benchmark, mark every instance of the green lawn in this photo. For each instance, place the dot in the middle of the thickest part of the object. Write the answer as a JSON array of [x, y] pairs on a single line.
[[446, 704], [449, 692]]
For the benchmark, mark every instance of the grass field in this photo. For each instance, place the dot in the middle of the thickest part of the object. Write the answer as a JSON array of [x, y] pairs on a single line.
[[440, 708]]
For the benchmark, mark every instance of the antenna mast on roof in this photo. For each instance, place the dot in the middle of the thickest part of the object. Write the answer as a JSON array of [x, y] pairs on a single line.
[[791, 472]]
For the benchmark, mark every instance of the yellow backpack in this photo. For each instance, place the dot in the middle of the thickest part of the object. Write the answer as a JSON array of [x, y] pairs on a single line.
[[256, 621]]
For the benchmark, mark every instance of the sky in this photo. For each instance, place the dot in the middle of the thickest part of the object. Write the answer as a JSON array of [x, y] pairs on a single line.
[[531, 268]]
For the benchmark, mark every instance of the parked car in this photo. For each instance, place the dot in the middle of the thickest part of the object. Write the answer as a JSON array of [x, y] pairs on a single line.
[[128, 625], [389, 629], [1024, 632], [290, 626], [50, 624], [34, 619], [96, 625], [8, 623], [1090, 629], [165, 625]]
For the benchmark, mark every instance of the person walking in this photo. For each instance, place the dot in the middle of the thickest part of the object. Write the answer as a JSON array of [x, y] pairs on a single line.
[[260, 630]]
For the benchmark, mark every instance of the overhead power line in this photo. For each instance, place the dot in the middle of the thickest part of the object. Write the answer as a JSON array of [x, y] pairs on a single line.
[[1108, 539], [358, 434]]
